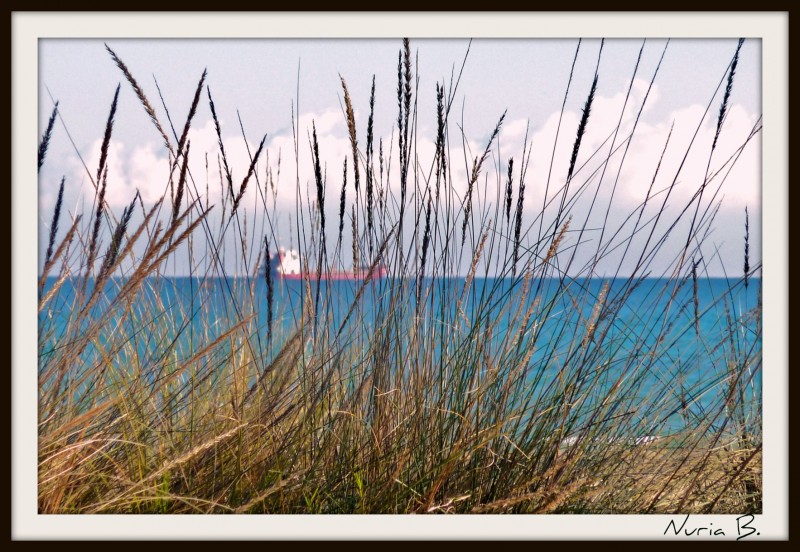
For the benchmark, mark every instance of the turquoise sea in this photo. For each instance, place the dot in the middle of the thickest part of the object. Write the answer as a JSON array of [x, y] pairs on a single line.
[[651, 327]]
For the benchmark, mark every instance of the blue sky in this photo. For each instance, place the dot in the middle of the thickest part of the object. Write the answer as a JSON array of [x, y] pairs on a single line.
[[261, 80]]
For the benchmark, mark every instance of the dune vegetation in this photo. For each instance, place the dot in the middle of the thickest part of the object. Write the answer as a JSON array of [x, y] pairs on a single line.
[[528, 384]]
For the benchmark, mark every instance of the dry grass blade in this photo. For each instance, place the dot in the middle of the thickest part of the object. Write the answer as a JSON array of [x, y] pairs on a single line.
[[59, 251], [746, 248], [723, 108], [270, 288], [318, 180], [426, 239], [142, 98], [101, 199], [509, 182], [53, 290], [54, 223], [107, 136], [250, 171], [354, 225], [228, 177], [48, 133], [245, 508], [177, 462], [192, 112], [370, 162], [342, 200], [176, 206], [181, 238], [110, 258], [551, 252], [476, 257], [476, 170], [351, 131], [581, 129]]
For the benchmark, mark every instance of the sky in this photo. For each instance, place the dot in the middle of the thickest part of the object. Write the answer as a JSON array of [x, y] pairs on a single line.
[[262, 82]]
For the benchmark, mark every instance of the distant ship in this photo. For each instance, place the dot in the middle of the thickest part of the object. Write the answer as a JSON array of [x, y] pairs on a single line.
[[286, 265]]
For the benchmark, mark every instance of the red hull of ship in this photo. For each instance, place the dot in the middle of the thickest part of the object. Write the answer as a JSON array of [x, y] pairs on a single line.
[[338, 275]]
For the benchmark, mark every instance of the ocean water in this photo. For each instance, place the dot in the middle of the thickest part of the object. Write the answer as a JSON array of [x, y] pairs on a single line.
[[683, 341]]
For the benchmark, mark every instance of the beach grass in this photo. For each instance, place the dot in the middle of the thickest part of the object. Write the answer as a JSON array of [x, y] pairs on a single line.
[[491, 372]]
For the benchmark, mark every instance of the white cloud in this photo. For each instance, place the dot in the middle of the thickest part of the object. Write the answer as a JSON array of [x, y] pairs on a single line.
[[146, 168], [742, 181], [129, 170]]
